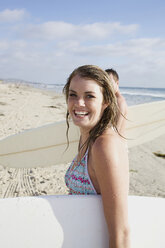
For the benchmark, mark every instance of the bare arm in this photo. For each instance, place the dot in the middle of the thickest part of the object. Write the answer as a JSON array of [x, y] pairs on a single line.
[[111, 168]]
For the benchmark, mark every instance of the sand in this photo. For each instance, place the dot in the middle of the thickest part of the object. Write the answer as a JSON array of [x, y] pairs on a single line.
[[147, 171], [23, 107]]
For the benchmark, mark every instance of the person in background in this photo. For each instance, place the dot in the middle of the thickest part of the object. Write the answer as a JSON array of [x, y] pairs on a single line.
[[101, 165], [121, 124]]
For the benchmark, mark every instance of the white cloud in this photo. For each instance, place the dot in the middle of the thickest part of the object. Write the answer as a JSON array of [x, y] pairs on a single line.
[[102, 30], [49, 30], [138, 61], [50, 51], [63, 30], [8, 15], [135, 48]]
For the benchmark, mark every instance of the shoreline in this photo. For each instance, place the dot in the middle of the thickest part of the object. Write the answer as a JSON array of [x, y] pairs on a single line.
[[25, 107]]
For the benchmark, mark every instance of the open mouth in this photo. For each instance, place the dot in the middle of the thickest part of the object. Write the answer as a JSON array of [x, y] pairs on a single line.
[[81, 113]]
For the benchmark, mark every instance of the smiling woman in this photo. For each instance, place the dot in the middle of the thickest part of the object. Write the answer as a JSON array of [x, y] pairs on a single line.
[[101, 166], [85, 102]]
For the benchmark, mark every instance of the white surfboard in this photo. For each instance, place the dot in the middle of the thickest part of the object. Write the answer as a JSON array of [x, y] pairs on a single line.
[[76, 221], [145, 122], [46, 145]]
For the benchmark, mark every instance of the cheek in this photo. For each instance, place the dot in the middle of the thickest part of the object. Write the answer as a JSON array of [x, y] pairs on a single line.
[[100, 107], [70, 101]]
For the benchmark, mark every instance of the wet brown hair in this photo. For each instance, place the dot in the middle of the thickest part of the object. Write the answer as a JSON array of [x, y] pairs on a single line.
[[110, 114]]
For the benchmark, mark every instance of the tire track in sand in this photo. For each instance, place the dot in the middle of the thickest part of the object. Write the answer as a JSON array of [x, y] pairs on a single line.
[[20, 184]]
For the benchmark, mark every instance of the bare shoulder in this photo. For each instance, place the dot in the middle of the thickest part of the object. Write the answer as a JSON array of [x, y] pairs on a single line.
[[109, 147], [106, 139]]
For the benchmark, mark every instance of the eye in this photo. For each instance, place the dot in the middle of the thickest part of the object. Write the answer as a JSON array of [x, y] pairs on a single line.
[[72, 95], [90, 96]]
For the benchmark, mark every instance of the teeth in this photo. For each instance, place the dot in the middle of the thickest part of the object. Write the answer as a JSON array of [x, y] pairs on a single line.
[[81, 113]]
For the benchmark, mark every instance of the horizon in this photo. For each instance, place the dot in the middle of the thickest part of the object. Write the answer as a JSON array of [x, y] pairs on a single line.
[[45, 41], [14, 80]]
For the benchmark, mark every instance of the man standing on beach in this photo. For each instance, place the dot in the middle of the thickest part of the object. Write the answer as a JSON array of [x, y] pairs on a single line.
[[121, 125]]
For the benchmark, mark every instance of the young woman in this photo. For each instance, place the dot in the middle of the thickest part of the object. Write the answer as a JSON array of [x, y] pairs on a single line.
[[101, 166]]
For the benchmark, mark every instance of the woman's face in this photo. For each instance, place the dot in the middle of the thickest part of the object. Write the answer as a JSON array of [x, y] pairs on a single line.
[[85, 102]]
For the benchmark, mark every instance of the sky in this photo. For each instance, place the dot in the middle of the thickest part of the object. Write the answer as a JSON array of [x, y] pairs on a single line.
[[44, 41]]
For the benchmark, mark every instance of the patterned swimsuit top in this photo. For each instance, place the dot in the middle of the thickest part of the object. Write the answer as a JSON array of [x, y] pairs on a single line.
[[77, 178]]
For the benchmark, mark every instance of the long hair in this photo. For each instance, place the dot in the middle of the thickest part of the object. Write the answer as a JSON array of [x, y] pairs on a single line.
[[110, 114]]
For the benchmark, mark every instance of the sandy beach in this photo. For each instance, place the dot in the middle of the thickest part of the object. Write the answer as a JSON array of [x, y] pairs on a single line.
[[23, 107]]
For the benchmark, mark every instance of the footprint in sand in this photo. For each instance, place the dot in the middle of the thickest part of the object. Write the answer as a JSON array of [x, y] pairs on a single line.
[[3, 103]]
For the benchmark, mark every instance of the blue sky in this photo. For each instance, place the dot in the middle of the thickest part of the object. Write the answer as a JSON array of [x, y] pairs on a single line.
[[43, 41]]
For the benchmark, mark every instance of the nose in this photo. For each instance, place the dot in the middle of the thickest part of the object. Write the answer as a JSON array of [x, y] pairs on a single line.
[[80, 102]]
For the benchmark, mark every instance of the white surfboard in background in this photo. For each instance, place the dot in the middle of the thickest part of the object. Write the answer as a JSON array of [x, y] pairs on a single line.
[[76, 221], [46, 145]]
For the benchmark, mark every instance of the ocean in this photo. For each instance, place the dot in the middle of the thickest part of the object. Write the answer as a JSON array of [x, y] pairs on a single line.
[[133, 95], [137, 95]]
